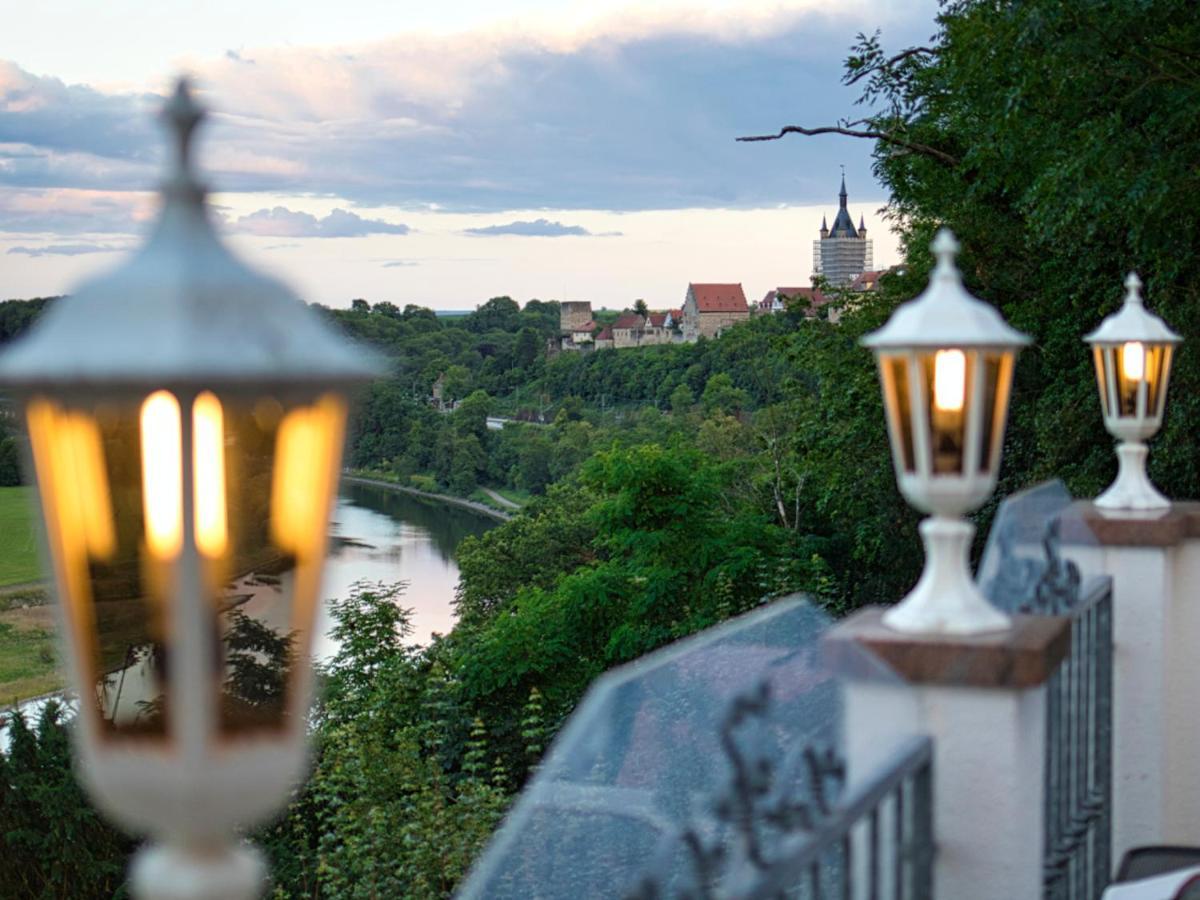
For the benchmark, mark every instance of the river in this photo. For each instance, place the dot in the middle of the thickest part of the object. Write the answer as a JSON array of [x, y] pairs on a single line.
[[392, 536]]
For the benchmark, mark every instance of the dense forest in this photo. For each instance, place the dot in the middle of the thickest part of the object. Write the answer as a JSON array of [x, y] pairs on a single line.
[[671, 487]]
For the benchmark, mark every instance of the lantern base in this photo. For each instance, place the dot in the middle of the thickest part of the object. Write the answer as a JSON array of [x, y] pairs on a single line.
[[946, 600], [1132, 490], [166, 872]]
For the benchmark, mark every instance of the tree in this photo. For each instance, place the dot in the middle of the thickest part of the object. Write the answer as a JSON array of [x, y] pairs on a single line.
[[10, 461], [682, 399], [721, 395], [360, 306], [472, 414], [498, 314], [639, 307], [456, 383], [528, 347]]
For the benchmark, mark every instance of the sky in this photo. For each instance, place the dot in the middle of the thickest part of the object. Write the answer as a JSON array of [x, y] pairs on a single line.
[[444, 153]]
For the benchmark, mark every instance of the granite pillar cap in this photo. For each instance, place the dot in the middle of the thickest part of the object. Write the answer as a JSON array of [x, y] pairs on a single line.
[[1023, 656]]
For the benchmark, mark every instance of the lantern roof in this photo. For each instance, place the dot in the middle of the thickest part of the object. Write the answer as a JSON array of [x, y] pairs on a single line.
[[1133, 322], [184, 310], [945, 315]]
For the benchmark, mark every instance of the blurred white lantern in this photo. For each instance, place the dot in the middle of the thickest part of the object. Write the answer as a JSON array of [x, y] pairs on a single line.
[[1133, 350], [186, 419], [946, 365]]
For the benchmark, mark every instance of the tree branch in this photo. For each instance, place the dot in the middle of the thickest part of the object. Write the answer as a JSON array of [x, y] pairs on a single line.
[[871, 134], [887, 64]]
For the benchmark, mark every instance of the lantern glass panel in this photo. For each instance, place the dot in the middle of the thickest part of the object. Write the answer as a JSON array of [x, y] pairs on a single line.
[[280, 473], [997, 384], [1158, 361], [1131, 374], [948, 383], [1103, 367], [897, 396], [113, 585], [112, 479]]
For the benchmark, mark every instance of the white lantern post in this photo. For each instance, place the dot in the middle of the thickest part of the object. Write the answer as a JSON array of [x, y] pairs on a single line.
[[186, 418], [1133, 351], [946, 364]]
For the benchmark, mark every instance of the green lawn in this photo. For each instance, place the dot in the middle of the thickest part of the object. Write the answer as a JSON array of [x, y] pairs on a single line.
[[28, 661], [18, 542]]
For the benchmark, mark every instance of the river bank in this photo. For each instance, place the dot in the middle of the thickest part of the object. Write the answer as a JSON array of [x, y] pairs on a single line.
[[481, 508]]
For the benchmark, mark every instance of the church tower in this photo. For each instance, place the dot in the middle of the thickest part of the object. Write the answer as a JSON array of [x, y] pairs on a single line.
[[842, 252]]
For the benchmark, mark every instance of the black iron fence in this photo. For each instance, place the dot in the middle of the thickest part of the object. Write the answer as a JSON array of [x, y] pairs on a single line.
[[803, 835], [878, 843], [1079, 755]]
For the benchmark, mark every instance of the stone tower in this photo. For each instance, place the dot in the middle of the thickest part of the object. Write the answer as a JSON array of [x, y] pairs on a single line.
[[843, 251]]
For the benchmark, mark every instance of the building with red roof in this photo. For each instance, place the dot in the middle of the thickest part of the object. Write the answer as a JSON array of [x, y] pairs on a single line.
[[808, 298], [709, 309]]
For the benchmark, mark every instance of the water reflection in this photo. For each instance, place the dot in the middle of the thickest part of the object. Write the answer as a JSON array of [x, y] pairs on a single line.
[[376, 535], [384, 535]]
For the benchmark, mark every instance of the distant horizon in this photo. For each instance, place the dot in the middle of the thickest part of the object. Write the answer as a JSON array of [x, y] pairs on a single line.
[[579, 154]]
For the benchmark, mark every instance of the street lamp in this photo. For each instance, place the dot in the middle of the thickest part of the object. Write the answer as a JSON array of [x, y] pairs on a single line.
[[186, 418], [1133, 350], [946, 363]]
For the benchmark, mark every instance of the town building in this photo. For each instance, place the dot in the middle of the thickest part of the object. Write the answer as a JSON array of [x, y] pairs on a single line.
[[576, 326], [809, 298], [709, 309], [573, 313], [842, 252], [627, 330]]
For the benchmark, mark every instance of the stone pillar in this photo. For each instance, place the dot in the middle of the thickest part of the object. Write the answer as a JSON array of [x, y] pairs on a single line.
[[1154, 562], [982, 699]]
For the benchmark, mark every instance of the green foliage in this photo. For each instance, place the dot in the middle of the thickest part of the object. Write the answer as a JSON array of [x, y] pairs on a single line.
[[55, 843], [401, 799]]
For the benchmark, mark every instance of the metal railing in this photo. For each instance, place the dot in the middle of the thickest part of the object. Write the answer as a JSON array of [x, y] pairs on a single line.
[[1079, 755], [876, 844], [804, 837]]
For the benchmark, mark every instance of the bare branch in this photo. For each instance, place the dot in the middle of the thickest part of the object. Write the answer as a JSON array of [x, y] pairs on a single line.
[[870, 134]]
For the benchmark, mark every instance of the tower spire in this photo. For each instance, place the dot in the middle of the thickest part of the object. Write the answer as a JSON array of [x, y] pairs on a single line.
[[842, 192]]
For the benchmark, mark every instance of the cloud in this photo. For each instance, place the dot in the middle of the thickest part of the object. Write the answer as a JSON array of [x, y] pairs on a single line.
[[399, 263], [68, 249], [537, 228], [65, 211], [283, 222], [634, 112]]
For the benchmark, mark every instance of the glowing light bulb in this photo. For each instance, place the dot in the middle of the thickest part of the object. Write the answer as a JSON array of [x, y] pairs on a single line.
[[306, 460], [1133, 361], [949, 380], [162, 474], [208, 472]]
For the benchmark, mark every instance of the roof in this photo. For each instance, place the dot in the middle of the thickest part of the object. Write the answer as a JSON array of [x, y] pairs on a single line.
[[865, 281], [843, 225], [714, 298], [588, 326], [630, 320], [658, 319], [605, 334], [1133, 322]]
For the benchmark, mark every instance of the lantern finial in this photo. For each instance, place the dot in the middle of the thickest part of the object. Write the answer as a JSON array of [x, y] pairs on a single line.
[[945, 248], [181, 115], [1133, 288]]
